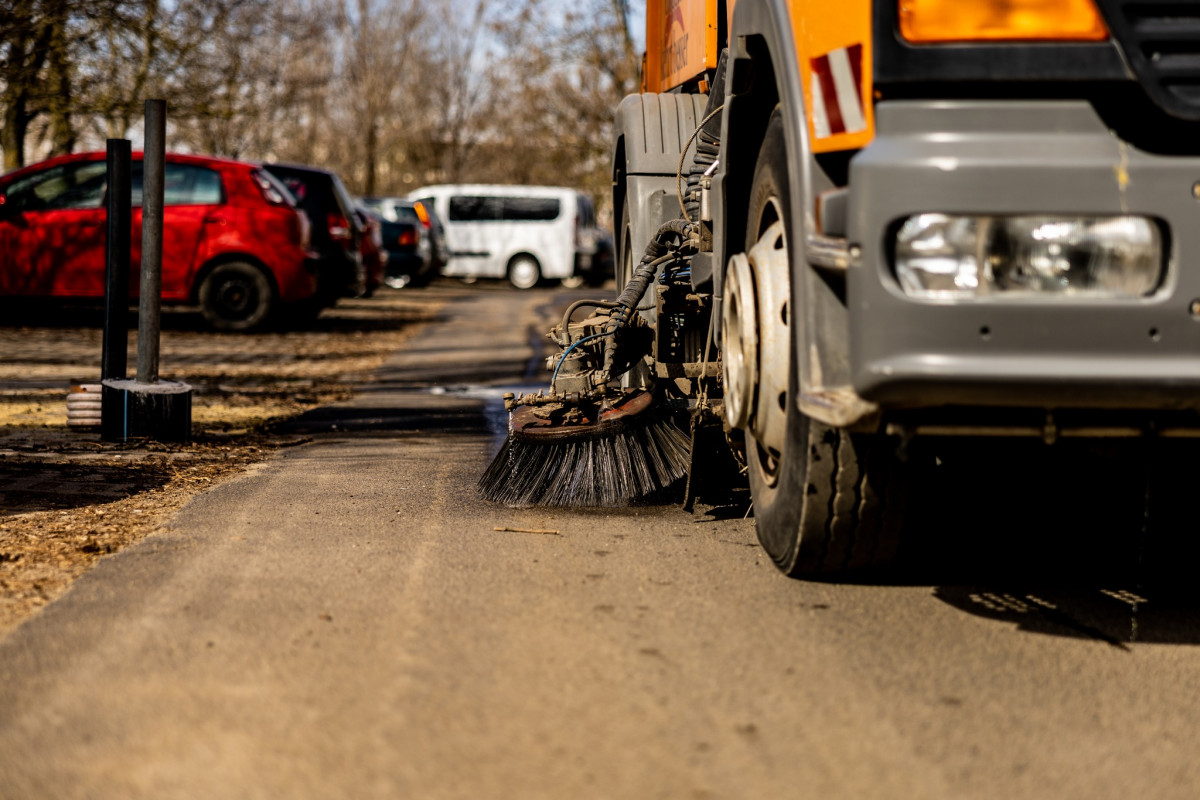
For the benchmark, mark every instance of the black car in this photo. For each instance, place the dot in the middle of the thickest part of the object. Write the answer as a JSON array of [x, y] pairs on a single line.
[[410, 239], [337, 230], [603, 260]]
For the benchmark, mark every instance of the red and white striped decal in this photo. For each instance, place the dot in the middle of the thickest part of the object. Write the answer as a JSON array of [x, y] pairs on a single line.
[[837, 92]]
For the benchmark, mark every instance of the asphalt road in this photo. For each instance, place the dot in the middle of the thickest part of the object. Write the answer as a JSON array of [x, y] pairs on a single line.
[[345, 622]]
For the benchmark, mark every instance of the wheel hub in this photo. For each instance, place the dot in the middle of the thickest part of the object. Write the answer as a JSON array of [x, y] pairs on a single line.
[[756, 340], [234, 296], [739, 335]]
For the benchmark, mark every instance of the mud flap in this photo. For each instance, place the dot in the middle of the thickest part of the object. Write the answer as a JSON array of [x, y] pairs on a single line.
[[714, 475]]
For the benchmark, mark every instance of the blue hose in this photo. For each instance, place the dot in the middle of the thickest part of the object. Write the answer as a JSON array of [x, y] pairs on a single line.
[[567, 352]]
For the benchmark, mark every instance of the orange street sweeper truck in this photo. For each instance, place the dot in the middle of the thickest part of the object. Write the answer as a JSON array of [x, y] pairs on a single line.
[[848, 226]]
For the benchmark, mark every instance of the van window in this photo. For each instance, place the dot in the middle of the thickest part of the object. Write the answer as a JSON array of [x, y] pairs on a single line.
[[530, 209], [466, 208], [469, 208]]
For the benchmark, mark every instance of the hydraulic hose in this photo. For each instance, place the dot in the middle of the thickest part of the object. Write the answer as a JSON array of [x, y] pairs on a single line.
[[708, 148], [658, 252], [564, 327], [563, 359], [643, 274], [707, 151]]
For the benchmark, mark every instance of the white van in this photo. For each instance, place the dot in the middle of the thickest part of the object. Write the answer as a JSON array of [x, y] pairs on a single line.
[[522, 233]]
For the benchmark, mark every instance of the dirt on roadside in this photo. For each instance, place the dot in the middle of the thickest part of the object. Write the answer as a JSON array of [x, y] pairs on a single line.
[[67, 498]]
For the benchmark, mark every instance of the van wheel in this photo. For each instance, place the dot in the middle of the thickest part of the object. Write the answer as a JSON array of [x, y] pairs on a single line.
[[524, 272], [236, 297]]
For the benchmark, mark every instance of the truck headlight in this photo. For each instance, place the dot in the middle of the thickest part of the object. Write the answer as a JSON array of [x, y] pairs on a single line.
[[943, 256]]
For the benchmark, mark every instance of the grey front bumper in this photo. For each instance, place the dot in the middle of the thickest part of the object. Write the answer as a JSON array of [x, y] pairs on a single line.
[[1017, 158]]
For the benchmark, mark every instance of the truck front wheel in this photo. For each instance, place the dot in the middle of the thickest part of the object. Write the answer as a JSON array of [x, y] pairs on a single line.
[[825, 500]]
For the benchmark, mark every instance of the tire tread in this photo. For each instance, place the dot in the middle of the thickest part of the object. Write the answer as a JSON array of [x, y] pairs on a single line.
[[858, 483]]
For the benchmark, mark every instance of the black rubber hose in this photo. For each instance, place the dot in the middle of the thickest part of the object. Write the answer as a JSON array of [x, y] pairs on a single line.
[[708, 148], [708, 140], [658, 252], [564, 327], [643, 274]]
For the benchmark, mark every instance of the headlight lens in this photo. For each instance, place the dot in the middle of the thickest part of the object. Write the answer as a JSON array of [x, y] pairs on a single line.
[[942, 256]]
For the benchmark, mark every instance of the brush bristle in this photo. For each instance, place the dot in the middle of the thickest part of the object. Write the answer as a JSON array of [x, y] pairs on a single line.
[[639, 459]]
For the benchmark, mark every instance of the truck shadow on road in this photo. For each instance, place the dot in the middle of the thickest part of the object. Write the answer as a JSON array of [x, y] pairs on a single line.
[[1077, 540], [1116, 616]]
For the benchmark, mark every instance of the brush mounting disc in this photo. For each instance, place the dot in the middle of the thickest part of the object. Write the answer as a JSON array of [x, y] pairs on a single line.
[[524, 422]]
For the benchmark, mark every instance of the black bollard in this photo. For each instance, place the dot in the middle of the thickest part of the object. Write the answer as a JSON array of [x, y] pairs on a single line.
[[150, 303], [149, 408], [114, 357]]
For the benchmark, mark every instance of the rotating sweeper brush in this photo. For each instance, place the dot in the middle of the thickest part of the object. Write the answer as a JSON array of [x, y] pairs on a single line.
[[588, 441], [626, 453]]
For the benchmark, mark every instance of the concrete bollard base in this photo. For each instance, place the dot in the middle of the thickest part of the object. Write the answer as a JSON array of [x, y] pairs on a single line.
[[161, 411]]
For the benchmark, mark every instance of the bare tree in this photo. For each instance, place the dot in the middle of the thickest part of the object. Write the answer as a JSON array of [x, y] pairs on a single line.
[[114, 75], [459, 93], [237, 78], [382, 49], [389, 93], [32, 37], [565, 74]]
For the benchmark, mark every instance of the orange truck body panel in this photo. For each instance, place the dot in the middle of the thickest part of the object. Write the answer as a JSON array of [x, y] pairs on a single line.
[[681, 42], [833, 48], [833, 44]]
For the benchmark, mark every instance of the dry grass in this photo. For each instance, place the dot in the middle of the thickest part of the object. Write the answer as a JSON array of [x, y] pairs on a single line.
[[67, 499]]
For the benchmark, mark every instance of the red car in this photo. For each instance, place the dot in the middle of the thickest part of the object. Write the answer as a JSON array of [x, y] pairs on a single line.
[[374, 257], [233, 241]]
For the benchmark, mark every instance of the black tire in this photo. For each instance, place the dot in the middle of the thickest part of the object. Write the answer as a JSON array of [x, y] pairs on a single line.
[[625, 258], [638, 376], [524, 272], [830, 502], [1172, 542], [236, 296], [422, 277]]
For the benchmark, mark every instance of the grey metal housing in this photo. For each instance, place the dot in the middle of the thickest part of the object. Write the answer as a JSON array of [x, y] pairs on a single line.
[[651, 131], [1019, 158]]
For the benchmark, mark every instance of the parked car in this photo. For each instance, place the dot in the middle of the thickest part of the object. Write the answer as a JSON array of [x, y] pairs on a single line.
[[233, 241], [408, 254], [595, 252], [439, 252], [523, 233], [603, 259], [409, 239], [374, 256], [337, 231]]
